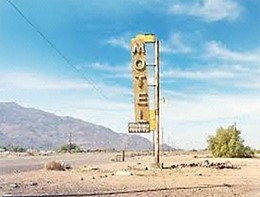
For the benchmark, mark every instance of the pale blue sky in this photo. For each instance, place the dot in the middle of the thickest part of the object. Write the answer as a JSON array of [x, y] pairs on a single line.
[[210, 62]]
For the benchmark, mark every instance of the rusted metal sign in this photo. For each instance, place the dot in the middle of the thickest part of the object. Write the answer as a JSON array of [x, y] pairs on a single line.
[[139, 69], [144, 116]]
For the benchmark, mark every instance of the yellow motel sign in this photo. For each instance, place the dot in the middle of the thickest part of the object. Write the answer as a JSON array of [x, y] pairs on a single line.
[[144, 117], [139, 70]]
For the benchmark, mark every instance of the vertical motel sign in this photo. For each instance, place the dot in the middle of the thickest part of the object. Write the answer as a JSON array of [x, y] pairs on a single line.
[[143, 115]]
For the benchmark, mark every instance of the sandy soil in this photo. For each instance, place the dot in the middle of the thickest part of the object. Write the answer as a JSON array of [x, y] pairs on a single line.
[[114, 179]]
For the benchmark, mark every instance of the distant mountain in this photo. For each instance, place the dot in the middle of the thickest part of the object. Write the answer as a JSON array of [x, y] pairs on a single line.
[[30, 127]]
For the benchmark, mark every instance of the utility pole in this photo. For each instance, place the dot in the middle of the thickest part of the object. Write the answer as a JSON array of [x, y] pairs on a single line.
[[168, 141], [172, 145], [69, 143], [162, 142], [157, 104], [153, 145]]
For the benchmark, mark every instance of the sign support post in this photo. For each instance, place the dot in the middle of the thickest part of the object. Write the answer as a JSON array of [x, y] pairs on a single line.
[[157, 104]]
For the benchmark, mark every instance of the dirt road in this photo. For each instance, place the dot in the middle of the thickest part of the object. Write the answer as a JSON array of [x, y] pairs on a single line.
[[14, 164]]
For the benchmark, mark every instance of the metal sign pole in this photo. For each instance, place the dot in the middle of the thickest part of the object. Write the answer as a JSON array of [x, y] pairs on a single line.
[[157, 104]]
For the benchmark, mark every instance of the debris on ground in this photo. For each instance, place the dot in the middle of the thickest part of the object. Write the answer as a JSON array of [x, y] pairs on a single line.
[[13, 185], [88, 168], [7, 194], [124, 173], [67, 166], [33, 184], [55, 165], [138, 167], [103, 176], [206, 164]]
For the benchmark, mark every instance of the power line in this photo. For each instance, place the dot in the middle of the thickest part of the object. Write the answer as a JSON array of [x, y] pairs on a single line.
[[65, 58]]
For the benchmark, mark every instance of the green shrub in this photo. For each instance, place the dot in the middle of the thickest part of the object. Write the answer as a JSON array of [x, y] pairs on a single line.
[[73, 148], [228, 143], [3, 147], [15, 148], [257, 151]]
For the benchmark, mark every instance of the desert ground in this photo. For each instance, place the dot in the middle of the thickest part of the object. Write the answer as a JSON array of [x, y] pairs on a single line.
[[99, 174]]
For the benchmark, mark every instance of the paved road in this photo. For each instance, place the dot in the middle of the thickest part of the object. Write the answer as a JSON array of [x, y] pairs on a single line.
[[16, 164]]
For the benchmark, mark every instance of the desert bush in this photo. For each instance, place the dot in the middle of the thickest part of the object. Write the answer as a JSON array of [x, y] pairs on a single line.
[[15, 148], [228, 143], [3, 148], [73, 148], [257, 151]]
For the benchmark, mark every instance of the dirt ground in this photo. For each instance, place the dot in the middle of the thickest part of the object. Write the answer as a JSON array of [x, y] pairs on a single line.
[[138, 177]]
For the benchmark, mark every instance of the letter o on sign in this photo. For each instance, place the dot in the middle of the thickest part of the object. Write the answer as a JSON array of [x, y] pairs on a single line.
[[139, 65]]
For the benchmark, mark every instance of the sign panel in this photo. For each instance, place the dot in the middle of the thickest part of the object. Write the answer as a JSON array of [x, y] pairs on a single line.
[[147, 38], [138, 127], [141, 99]]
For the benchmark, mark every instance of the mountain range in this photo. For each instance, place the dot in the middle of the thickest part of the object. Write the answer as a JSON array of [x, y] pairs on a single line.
[[33, 128]]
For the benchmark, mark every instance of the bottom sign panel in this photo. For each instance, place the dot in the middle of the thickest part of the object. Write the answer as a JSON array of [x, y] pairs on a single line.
[[138, 127]]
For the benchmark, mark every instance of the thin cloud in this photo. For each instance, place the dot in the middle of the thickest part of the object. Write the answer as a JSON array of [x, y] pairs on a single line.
[[119, 76], [32, 81], [200, 74], [245, 63], [121, 42], [252, 83], [175, 44], [217, 50], [204, 113], [208, 10], [239, 77], [109, 71], [211, 107], [38, 82], [106, 67]]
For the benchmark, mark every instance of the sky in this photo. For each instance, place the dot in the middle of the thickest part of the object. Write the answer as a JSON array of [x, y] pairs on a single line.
[[209, 62]]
